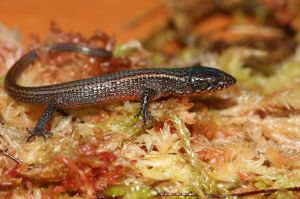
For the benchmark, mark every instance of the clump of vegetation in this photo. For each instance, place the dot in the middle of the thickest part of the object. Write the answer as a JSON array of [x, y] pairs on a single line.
[[242, 141]]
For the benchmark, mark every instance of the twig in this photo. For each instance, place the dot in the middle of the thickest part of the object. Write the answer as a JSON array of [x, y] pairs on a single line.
[[4, 152]]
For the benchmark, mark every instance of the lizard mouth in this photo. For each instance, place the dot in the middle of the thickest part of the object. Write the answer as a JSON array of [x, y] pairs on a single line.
[[222, 85], [227, 81]]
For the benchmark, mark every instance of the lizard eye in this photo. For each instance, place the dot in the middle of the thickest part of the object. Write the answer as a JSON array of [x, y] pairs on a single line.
[[211, 79]]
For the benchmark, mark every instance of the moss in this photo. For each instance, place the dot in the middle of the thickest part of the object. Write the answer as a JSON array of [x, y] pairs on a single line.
[[131, 192]]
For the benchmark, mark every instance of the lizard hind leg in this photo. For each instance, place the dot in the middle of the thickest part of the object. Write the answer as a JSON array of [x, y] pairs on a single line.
[[39, 129]]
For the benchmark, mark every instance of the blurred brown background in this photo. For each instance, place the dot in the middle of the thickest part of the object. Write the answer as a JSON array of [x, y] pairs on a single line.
[[111, 16]]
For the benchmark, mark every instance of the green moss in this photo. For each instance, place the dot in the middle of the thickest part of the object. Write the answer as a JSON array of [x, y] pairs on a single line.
[[120, 51], [116, 190], [128, 48], [203, 182], [124, 124], [131, 192], [1, 81]]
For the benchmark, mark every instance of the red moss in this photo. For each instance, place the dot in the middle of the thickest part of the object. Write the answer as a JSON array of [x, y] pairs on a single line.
[[107, 156], [58, 189], [10, 178], [205, 127], [79, 66], [89, 171], [247, 177], [9, 52], [212, 155], [158, 126]]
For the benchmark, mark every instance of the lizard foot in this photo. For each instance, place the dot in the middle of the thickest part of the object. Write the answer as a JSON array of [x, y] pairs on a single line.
[[38, 132], [147, 119]]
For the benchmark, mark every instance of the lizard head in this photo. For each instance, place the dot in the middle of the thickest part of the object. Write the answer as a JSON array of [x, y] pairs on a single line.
[[206, 79]]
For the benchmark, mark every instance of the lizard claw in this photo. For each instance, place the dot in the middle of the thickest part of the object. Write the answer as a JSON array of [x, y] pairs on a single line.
[[38, 132]]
